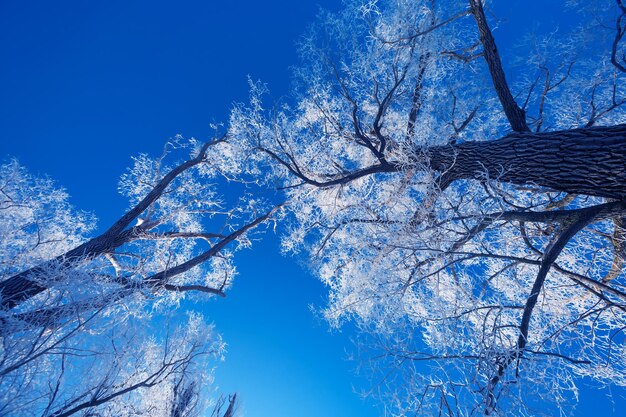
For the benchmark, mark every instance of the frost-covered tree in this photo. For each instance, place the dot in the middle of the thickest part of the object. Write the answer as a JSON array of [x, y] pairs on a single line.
[[469, 221], [97, 326]]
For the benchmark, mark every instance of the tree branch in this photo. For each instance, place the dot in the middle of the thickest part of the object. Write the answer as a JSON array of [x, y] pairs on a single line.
[[515, 115], [552, 252]]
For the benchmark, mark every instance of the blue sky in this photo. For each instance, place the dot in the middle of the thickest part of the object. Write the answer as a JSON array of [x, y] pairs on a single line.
[[87, 84]]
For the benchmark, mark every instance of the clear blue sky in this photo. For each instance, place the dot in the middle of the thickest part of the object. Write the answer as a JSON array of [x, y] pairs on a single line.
[[87, 84], [84, 85]]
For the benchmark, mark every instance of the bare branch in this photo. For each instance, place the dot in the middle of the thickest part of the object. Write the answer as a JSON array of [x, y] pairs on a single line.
[[515, 115]]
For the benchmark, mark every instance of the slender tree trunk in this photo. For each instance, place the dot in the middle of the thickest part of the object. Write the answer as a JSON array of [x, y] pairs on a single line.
[[24, 285], [590, 161]]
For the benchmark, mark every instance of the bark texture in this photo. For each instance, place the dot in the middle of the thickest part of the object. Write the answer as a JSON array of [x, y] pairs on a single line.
[[589, 161]]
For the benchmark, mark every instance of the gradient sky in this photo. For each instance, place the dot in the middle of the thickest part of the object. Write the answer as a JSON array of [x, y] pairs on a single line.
[[84, 85]]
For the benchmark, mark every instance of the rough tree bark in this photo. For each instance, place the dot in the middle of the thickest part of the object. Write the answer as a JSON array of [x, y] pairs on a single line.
[[590, 161]]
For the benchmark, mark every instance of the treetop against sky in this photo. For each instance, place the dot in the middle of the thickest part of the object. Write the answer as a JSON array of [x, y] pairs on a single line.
[[452, 173]]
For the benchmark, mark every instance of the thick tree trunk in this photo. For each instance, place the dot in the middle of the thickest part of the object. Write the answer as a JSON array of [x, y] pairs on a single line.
[[590, 161]]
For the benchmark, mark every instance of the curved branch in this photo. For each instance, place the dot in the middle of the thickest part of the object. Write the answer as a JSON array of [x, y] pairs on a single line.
[[201, 288], [23, 286], [515, 115], [552, 252], [619, 34], [161, 278]]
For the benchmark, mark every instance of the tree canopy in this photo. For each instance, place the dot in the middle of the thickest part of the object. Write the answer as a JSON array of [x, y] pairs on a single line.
[[464, 203], [96, 325], [463, 219]]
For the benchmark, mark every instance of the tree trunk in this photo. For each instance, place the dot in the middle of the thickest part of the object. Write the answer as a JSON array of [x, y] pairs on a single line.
[[589, 161], [25, 285]]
